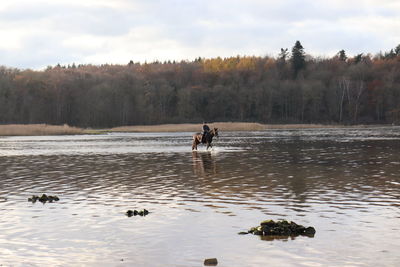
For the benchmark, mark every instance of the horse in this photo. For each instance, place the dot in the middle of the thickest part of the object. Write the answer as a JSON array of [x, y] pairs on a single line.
[[197, 138]]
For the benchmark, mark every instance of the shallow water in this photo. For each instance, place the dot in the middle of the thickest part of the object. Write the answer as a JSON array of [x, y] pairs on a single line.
[[344, 182]]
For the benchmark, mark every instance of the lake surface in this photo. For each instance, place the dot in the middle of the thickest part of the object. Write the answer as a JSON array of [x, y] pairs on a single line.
[[344, 182]]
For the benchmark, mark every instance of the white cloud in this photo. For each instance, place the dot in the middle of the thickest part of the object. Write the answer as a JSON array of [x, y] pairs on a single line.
[[11, 40], [38, 33]]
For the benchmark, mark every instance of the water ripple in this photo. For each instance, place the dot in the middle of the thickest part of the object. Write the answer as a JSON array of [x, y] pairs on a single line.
[[342, 182]]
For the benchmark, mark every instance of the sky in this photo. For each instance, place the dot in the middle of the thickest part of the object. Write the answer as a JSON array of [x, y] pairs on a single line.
[[40, 33]]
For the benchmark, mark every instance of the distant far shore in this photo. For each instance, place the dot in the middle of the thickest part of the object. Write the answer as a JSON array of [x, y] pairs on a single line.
[[46, 129], [222, 126], [38, 129], [227, 126]]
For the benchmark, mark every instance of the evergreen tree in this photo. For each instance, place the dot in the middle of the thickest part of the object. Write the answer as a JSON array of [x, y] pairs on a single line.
[[342, 55], [397, 50], [358, 58], [283, 54], [298, 58]]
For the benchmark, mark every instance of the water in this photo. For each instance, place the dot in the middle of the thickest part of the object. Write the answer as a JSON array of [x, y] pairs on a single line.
[[344, 182]]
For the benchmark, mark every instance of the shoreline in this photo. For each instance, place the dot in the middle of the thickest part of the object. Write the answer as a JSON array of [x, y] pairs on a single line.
[[46, 129], [191, 127], [231, 126], [38, 130]]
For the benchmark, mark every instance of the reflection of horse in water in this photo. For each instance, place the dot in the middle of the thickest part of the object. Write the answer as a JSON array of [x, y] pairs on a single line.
[[203, 162], [198, 138]]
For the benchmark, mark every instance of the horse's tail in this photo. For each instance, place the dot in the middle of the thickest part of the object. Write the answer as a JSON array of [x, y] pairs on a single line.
[[196, 141], [197, 137]]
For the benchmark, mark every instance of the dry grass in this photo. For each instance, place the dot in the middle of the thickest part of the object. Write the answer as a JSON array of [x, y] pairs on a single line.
[[300, 126], [238, 126], [37, 129], [159, 128], [44, 129], [222, 126]]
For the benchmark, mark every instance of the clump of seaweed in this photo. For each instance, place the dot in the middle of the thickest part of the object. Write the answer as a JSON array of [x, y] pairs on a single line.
[[43, 198], [281, 228], [131, 213]]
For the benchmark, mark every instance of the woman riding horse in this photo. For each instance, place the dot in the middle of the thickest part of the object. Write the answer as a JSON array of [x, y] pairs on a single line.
[[206, 129], [197, 138]]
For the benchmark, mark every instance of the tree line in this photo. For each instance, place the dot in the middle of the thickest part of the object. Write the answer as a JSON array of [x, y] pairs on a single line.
[[293, 87]]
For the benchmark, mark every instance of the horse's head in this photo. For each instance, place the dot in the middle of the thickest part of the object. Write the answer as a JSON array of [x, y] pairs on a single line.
[[215, 130]]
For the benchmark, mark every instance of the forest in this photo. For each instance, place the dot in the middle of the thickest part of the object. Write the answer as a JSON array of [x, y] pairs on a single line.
[[293, 87]]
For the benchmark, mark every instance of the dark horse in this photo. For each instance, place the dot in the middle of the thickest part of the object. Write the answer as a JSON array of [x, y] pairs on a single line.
[[207, 140]]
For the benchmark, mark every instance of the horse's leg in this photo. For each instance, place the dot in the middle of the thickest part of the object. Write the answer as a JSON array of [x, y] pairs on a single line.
[[195, 142], [194, 145]]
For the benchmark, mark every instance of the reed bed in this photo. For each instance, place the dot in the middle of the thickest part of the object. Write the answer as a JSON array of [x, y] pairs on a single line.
[[46, 129], [159, 128], [191, 127], [300, 126], [38, 129], [222, 126]]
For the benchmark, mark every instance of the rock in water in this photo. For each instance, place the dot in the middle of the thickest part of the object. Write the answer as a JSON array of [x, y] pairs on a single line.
[[143, 212], [211, 262], [44, 198], [243, 233], [33, 199], [129, 213], [310, 231], [282, 228]]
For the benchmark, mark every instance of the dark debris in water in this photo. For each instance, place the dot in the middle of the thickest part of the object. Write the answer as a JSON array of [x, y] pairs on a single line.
[[131, 213], [43, 198], [281, 228], [211, 262]]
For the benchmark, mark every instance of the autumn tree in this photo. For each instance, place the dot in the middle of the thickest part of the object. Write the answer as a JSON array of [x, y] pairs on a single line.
[[365, 89]]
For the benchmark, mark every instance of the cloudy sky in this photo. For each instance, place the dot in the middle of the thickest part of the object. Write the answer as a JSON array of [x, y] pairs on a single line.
[[38, 33]]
